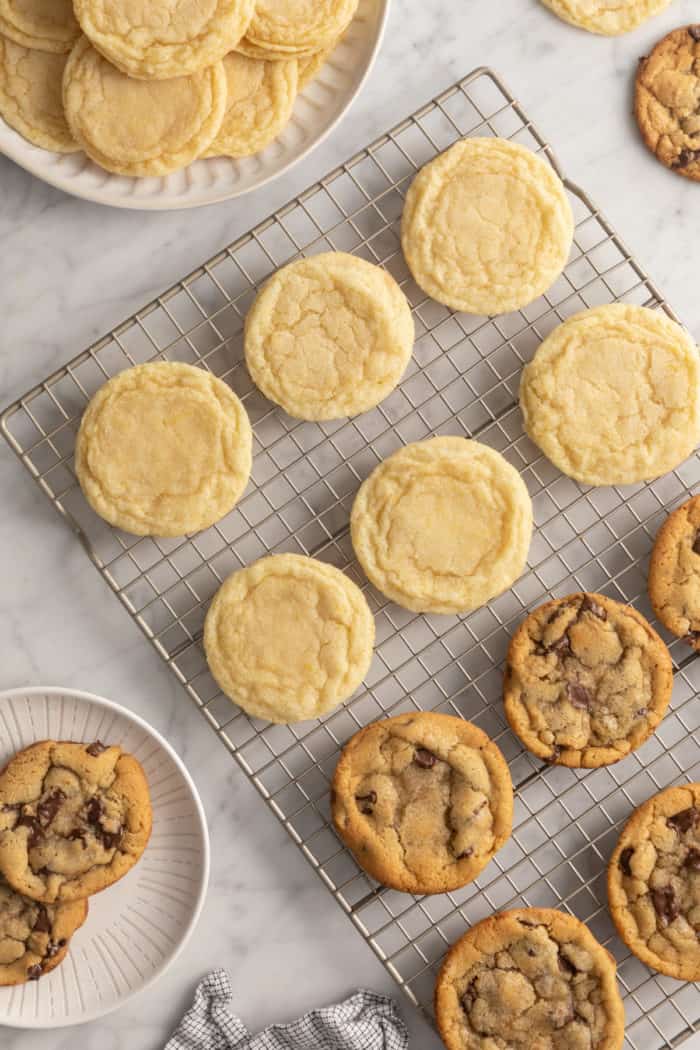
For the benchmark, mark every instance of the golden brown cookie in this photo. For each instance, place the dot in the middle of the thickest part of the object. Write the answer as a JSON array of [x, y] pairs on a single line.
[[674, 573], [587, 681], [34, 937], [667, 101], [423, 800], [42, 25], [607, 17], [654, 882], [31, 96]]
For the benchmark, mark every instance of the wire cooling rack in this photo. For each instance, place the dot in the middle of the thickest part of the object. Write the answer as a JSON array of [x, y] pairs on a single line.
[[463, 380]]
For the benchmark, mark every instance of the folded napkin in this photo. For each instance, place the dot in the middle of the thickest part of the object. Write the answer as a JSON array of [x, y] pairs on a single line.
[[365, 1021]]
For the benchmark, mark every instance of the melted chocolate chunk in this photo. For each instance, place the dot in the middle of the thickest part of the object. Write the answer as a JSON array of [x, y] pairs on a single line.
[[666, 905], [556, 752], [694, 32], [578, 695], [96, 748], [692, 861], [685, 820], [641, 712], [566, 965], [562, 646], [35, 972], [47, 810], [591, 606], [424, 758], [371, 797], [691, 637], [469, 996], [624, 861], [110, 839], [469, 852], [36, 834], [53, 948], [43, 922], [93, 811], [686, 157], [77, 833], [696, 541]]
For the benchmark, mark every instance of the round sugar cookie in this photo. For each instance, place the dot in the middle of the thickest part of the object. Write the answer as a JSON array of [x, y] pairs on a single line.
[[289, 638], [329, 336], [296, 26], [310, 67], [31, 99], [34, 937], [139, 128], [163, 449], [442, 525], [612, 396], [43, 25], [259, 104], [487, 227], [161, 39], [607, 17], [269, 54]]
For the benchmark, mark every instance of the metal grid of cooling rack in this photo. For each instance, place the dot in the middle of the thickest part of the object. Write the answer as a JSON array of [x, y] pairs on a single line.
[[463, 380]]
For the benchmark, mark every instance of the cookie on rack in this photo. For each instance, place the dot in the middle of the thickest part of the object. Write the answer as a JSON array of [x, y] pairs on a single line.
[[152, 40], [298, 27], [42, 25], [576, 395], [31, 96], [34, 937], [609, 18], [163, 449], [74, 818], [587, 681], [259, 103], [329, 336], [487, 226], [654, 882], [674, 573], [667, 92], [442, 525], [423, 800], [531, 977], [289, 638]]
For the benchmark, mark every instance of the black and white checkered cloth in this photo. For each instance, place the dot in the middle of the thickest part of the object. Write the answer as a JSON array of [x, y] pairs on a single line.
[[365, 1021]]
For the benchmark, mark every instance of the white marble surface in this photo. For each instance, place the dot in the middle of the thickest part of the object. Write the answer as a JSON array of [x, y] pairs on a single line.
[[69, 271]]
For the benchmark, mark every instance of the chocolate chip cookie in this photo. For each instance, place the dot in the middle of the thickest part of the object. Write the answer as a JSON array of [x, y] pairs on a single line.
[[74, 818], [34, 937], [533, 977], [674, 573], [654, 882], [587, 681], [667, 101], [423, 800]]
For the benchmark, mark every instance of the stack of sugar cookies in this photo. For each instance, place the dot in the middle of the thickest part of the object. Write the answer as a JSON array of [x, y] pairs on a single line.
[[147, 88]]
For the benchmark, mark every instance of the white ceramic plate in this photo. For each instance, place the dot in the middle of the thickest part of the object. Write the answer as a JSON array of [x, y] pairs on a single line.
[[318, 109], [137, 927]]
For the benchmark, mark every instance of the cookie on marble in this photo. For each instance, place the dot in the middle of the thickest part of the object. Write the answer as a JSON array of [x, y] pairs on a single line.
[[531, 977], [34, 937], [667, 101], [487, 226], [612, 395], [259, 104], [607, 17], [654, 882], [156, 40], [74, 818], [674, 573], [31, 99], [442, 525], [42, 25], [138, 128], [587, 681], [163, 449], [289, 638], [423, 800], [329, 336], [297, 27]]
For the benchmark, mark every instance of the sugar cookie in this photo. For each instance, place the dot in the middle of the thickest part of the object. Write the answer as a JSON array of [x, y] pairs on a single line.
[[608, 17], [31, 99], [295, 26], [43, 25], [259, 104]]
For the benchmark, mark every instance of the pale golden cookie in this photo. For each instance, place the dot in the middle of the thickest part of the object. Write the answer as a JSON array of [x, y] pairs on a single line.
[[163, 449], [329, 336], [34, 938], [612, 396], [270, 54], [487, 226], [443, 525], [139, 128], [31, 99], [259, 104], [296, 26], [674, 573], [160, 39], [43, 25], [289, 638], [667, 101], [608, 17], [310, 67]]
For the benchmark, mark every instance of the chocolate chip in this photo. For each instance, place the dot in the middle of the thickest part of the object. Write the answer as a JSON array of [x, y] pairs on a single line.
[[47, 810], [692, 861], [93, 811], [641, 712], [111, 839], [424, 758], [685, 820], [686, 157], [35, 972], [77, 833], [468, 852], [96, 748], [566, 965], [53, 948], [36, 834], [696, 543], [562, 646], [469, 996], [694, 32], [624, 861], [578, 695], [371, 797], [43, 922], [591, 606], [556, 752], [691, 637], [666, 905]]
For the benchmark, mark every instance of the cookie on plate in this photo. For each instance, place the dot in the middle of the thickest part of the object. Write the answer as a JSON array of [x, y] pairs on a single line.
[[587, 681], [31, 99], [531, 977], [138, 128], [654, 882], [674, 573], [289, 638], [310, 67], [43, 25], [487, 226], [298, 26], [666, 98], [329, 336], [34, 937], [163, 449], [423, 800], [259, 104], [576, 395], [609, 18], [74, 818], [442, 525]]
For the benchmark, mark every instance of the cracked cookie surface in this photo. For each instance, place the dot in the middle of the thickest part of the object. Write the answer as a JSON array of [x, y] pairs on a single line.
[[163, 449], [423, 800], [442, 525], [587, 681], [674, 573], [329, 336], [299, 26], [43, 25], [31, 96], [34, 937], [607, 17], [487, 226], [258, 106], [612, 395], [529, 979], [654, 882], [74, 818], [667, 101], [289, 638]]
